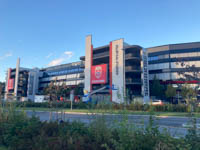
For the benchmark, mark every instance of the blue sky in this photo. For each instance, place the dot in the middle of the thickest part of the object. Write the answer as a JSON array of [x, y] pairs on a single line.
[[49, 32]]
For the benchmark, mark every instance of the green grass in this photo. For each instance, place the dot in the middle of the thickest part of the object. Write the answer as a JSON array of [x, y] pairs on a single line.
[[3, 148], [179, 114]]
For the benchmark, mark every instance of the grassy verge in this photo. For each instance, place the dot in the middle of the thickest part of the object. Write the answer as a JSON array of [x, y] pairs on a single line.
[[178, 114], [3, 148]]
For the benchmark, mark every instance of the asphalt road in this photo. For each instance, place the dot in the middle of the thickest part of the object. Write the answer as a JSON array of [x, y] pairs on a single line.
[[175, 125]]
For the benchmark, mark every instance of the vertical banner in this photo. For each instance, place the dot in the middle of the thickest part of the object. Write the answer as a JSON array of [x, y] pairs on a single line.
[[7, 79], [88, 60], [118, 72], [110, 70], [10, 84], [145, 76]]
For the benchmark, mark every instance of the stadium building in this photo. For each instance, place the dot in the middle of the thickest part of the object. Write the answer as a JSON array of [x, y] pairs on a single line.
[[25, 83], [21, 82], [175, 63], [125, 71], [70, 74], [118, 65]]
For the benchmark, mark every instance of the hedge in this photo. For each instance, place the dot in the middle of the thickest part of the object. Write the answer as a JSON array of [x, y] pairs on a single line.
[[113, 106]]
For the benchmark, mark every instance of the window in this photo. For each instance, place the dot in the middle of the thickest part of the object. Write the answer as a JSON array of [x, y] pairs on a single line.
[[153, 58]]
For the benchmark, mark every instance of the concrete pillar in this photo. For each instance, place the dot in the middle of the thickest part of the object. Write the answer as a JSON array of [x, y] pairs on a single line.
[[17, 76]]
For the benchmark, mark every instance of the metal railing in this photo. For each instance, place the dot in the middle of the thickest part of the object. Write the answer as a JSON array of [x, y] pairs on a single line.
[[130, 80], [129, 68], [101, 55]]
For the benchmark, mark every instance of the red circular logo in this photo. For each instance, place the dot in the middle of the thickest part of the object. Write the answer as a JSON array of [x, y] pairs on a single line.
[[98, 72]]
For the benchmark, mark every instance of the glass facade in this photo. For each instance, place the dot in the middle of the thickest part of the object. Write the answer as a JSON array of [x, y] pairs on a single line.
[[166, 64], [68, 74]]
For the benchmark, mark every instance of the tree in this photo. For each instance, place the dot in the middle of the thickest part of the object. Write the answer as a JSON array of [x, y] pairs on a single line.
[[190, 73], [51, 90], [170, 92], [56, 91], [157, 89], [189, 94], [2, 89], [78, 90]]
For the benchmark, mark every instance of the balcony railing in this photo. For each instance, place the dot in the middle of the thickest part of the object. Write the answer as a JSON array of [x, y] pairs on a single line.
[[132, 68], [82, 65], [133, 81], [132, 56], [104, 54], [82, 75]]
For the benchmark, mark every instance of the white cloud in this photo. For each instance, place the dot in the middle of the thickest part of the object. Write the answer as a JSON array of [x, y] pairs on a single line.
[[65, 56], [56, 62], [69, 54], [8, 54]]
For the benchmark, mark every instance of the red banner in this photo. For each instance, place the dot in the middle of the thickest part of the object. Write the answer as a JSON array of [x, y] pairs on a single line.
[[99, 74], [10, 84]]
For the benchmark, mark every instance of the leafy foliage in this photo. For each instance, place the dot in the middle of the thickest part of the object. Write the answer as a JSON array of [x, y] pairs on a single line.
[[157, 89], [2, 89], [55, 91], [170, 92], [18, 132]]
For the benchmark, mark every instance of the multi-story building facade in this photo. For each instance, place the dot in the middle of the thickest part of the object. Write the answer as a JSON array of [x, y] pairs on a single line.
[[127, 68], [117, 64], [17, 82], [25, 83], [70, 74], [175, 63]]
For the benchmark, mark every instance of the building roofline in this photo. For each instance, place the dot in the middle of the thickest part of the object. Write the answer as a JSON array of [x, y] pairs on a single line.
[[173, 44], [133, 46], [97, 48], [60, 65]]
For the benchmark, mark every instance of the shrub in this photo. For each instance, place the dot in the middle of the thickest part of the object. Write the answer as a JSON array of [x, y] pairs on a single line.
[[133, 106], [18, 132]]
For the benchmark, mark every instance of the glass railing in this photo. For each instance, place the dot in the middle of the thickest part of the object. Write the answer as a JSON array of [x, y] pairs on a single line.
[[101, 55], [133, 80], [129, 68], [132, 56]]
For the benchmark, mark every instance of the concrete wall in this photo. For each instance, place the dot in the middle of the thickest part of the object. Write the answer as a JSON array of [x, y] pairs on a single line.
[[118, 70], [17, 76], [88, 58]]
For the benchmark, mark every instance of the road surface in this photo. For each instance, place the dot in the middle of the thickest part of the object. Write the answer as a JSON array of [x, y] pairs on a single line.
[[175, 125]]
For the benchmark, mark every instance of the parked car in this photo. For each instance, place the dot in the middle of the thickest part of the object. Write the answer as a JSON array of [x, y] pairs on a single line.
[[157, 102]]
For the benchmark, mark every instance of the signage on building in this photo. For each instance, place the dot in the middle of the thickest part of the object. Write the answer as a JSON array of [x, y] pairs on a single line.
[[145, 76], [99, 74], [10, 84], [117, 59], [117, 70]]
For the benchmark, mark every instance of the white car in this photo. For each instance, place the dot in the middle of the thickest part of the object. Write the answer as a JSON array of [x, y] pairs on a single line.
[[157, 102]]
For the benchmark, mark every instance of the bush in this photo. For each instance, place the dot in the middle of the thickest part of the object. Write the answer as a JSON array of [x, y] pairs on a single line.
[[107, 106], [18, 132]]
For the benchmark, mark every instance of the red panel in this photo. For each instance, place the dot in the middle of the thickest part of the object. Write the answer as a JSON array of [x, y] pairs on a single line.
[[181, 82], [10, 84], [91, 68], [110, 69], [99, 74]]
